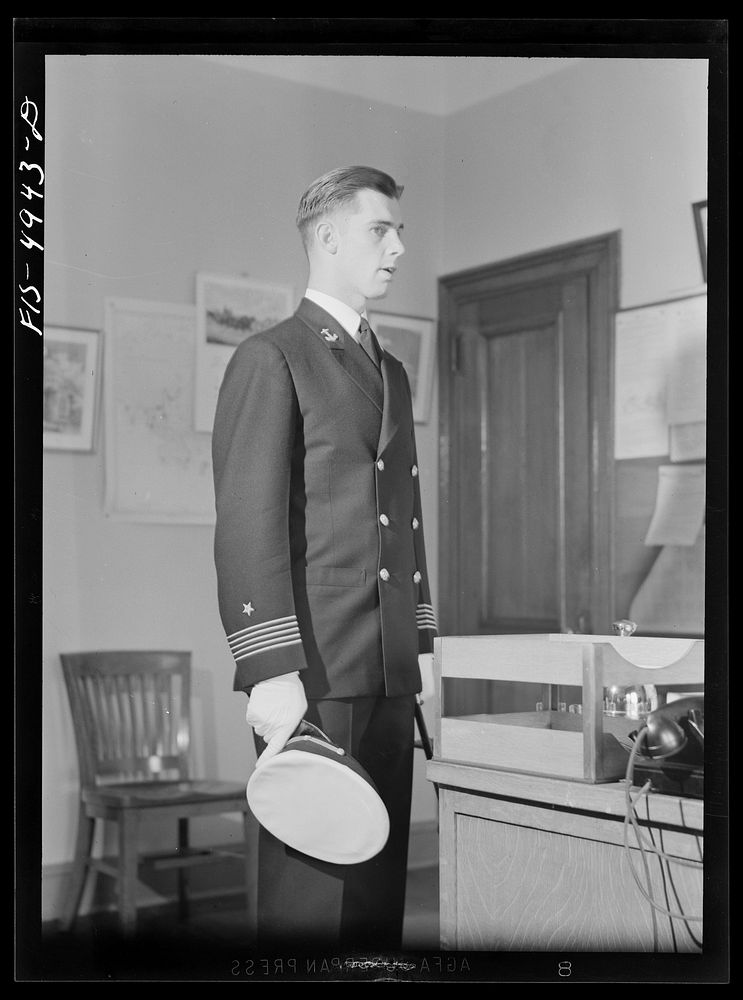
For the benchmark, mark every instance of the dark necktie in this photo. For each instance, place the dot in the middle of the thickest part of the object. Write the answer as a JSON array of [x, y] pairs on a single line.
[[368, 341]]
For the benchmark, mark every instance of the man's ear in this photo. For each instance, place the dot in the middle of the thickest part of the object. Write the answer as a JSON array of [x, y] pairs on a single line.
[[326, 236]]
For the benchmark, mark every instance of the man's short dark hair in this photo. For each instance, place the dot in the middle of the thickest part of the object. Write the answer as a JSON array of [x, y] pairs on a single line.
[[337, 188]]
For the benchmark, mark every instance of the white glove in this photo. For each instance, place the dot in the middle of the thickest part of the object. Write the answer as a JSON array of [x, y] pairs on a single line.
[[276, 706], [425, 663]]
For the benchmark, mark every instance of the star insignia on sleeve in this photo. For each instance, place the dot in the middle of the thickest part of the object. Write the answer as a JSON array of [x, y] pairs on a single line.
[[328, 335], [248, 609]]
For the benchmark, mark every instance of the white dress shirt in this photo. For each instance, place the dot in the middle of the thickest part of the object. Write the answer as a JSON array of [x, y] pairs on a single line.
[[348, 318]]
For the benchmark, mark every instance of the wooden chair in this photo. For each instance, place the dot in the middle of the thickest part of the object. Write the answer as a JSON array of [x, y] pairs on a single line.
[[131, 713]]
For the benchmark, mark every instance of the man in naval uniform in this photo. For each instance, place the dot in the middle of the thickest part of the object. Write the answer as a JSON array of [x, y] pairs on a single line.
[[322, 582]]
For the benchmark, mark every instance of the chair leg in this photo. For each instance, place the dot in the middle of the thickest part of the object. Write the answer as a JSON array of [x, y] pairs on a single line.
[[83, 847], [183, 872], [128, 869]]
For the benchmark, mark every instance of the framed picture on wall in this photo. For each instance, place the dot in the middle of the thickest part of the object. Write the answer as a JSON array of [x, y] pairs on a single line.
[[411, 339], [71, 379], [700, 222], [229, 308]]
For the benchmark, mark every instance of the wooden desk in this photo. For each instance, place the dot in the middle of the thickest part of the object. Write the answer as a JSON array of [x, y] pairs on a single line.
[[530, 863]]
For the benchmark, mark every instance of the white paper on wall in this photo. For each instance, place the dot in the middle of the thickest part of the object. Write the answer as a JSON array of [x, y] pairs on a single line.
[[687, 377], [679, 505], [660, 374], [641, 364], [671, 598]]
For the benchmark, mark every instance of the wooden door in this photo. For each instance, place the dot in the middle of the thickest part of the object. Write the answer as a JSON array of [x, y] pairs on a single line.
[[525, 513]]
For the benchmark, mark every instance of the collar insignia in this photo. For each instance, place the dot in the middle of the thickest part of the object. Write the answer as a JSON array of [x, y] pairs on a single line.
[[332, 337]]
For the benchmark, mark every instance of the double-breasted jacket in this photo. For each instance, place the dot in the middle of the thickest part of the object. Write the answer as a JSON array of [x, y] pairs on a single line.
[[319, 547]]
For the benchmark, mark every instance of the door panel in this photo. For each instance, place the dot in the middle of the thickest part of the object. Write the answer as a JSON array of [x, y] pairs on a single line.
[[525, 512], [523, 437], [520, 481]]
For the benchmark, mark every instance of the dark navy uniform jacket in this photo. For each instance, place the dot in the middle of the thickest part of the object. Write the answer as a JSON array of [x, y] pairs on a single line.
[[319, 546]]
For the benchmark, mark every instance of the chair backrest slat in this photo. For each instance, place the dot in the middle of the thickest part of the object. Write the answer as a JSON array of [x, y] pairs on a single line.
[[136, 735], [130, 714], [98, 706], [161, 685], [123, 711], [168, 691], [108, 685], [148, 685]]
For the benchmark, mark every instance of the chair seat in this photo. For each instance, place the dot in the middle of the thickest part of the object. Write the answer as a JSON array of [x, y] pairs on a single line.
[[140, 794]]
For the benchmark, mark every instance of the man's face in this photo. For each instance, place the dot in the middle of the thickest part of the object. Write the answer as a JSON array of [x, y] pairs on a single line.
[[369, 246]]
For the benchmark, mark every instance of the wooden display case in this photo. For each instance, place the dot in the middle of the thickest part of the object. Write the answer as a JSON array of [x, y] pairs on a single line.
[[587, 744]]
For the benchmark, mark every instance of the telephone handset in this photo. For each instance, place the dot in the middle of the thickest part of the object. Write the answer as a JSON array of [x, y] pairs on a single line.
[[675, 732]]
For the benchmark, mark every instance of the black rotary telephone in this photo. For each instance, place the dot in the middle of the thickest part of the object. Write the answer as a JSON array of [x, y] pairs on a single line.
[[674, 733]]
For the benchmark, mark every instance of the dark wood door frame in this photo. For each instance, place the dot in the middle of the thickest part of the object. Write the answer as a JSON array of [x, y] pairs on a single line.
[[596, 258]]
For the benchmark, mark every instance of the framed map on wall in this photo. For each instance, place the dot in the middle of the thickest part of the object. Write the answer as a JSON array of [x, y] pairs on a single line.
[[158, 468]]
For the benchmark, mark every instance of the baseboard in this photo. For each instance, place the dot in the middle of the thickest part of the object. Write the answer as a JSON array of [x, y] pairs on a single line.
[[99, 893], [222, 878]]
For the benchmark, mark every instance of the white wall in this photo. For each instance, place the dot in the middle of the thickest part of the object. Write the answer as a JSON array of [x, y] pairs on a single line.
[[159, 167], [604, 145]]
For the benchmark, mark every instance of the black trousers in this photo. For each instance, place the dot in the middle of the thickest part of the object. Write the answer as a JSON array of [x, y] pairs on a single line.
[[312, 904]]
